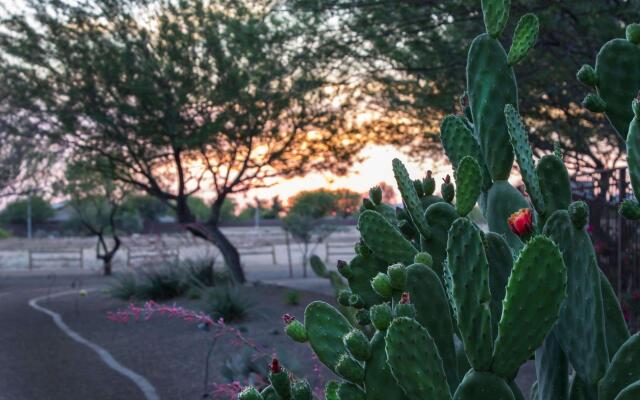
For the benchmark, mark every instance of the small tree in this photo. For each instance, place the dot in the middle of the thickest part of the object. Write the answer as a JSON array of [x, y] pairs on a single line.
[[16, 212], [176, 96], [309, 219], [97, 203]]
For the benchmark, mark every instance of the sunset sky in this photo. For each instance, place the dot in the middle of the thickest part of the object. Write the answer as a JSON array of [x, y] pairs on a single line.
[[375, 168]]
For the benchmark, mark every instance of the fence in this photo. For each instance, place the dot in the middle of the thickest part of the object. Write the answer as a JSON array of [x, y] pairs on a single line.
[[44, 258], [615, 239]]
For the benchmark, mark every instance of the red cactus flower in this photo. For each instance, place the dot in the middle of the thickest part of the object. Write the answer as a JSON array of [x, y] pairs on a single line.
[[288, 318], [275, 367], [521, 222], [405, 299]]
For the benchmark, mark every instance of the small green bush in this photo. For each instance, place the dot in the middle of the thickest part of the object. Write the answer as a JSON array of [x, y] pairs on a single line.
[[5, 234], [226, 302], [126, 287], [292, 297]]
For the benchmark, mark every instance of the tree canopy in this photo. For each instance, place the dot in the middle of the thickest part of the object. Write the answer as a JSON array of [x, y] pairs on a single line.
[[411, 56]]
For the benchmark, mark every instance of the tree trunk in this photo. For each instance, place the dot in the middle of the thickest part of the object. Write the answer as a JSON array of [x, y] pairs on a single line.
[[106, 266], [212, 233]]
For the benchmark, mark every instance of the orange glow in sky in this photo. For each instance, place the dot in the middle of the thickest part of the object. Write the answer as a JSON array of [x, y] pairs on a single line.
[[375, 168]]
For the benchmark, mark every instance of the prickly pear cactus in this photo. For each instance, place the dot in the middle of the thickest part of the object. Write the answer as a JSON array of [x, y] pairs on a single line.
[[615, 78]]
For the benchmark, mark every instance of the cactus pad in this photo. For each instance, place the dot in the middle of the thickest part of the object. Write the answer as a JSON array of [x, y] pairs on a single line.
[[555, 185], [502, 201], [469, 183], [410, 197], [492, 85], [524, 155], [458, 142], [380, 384], [469, 270], [500, 265], [432, 312], [384, 240], [483, 386], [415, 362], [624, 370], [524, 38], [495, 14], [439, 216], [580, 327], [538, 273], [552, 369], [326, 327]]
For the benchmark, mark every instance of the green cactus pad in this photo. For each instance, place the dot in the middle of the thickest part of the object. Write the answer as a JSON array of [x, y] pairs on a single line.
[[432, 312], [469, 183], [616, 327], [502, 201], [384, 240], [630, 209], [554, 184], [410, 197], [624, 370], [269, 393], [318, 266], [492, 85], [363, 269], [326, 327], [633, 155], [458, 142], [552, 369], [350, 369], [495, 14], [439, 216], [469, 269], [524, 155], [500, 265], [617, 64], [331, 390], [538, 273], [378, 380], [415, 362], [301, 390], [349, 391], [388, 212], [483, 386], [524, 38], [631, 392], [581, 326]]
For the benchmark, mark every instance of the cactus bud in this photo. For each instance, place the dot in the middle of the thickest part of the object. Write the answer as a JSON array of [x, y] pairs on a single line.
[[397, 276], [331, 390], [356, 301], [579, 213], [344, 297], [423, 258], [381, 316], [381, 284], [404, 308], [594, 103], [587, 75], [429, 184], [633, 33], [294, 329], [630, 209], [279, 379], [375, 194], [368, 204], [417, 184], [357, 344], [344, 269], [521, 223], [301, 390], [249, 393], [447, 189], [362, 317]]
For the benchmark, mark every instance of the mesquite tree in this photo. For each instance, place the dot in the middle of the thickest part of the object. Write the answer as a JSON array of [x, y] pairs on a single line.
[[177, 97]]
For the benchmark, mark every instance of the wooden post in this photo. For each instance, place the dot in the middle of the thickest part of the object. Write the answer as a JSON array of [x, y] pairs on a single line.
[[30, 259], [286, 238], [273, 254], [81, 258]]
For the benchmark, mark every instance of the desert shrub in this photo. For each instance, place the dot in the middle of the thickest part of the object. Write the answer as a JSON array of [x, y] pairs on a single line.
[[226, 302], [5, 234], [162, 284], [292, 297], [202, 273], [125, 287]]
